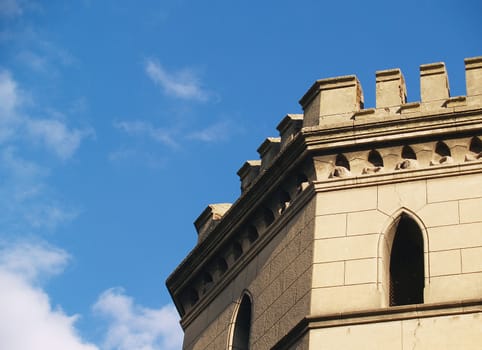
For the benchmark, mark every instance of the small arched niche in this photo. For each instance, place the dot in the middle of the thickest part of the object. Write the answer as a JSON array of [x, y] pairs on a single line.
[[442, 154], [284, 201], [268, 217], [342, 161], [375, 159], [475, 149], [301, 182], [342, 167], [252, 234], [475, 145], [408, 153], [241, 327], [406, 268]]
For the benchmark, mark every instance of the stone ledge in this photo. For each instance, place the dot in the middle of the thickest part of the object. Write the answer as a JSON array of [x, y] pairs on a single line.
[[394, 313]]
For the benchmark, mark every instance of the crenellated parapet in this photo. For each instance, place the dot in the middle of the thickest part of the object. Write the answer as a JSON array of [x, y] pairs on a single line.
[[335, 143]]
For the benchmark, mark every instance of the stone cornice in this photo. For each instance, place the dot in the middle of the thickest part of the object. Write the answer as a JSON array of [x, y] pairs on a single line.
[[392, 128], [394, 313]]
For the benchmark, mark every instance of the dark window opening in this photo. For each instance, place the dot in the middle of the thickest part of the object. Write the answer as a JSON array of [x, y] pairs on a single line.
[[375, 158], [408, 153], [242, 325], [300, 179], [222, 266], [268, 217], [406, 264], [342, 161], [191, 296], [284, 200], [237, 250], [442, 149], [252, 234], [475, 145]]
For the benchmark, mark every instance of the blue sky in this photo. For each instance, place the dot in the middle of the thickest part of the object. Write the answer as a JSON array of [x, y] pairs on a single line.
[[120, 121]]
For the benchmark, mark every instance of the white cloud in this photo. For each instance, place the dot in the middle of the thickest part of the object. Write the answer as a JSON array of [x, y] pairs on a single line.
[[183, 84], [140, 128], [132, 326], [56, 136], [28, 320]]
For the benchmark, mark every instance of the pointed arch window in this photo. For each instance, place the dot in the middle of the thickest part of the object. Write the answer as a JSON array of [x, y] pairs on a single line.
[[407, 264], [242, 325]]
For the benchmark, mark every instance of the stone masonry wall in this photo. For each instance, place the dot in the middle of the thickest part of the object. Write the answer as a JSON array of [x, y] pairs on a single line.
[[278, 279], [350, 229]]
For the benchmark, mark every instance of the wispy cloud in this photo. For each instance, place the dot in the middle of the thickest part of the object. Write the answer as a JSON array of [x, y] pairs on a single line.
[[183, 84], [26, 200], [129, 155], [28, 320], [212, 133], [10, 8], [141, 128], [54, 134], [132, 326]]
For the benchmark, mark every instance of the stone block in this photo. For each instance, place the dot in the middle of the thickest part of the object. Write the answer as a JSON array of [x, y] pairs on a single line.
[[268, 150], [392, 197], [434, 84], [342, 201], [390, 88], [470, 210], [473, 75], [332, 96], [328, 274], [380, 336], [453, 287], [365, 222], [454, 188], [361, 271], [443, 332], [328, 226], [344, 298], [447, 262], [472, 260], [346, 248], [455, 236], [440, 214]]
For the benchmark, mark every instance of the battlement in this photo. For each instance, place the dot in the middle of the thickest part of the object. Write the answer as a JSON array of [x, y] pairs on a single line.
[[339, 99], [335, 146]]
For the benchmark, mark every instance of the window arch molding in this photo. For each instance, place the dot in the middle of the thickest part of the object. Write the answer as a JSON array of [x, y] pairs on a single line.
[[241, 322], [385, 248]]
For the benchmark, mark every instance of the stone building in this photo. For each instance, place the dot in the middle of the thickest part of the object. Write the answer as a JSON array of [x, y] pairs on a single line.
[[357, 229]]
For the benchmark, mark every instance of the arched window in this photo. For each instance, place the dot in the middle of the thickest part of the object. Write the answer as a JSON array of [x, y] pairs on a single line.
[[407, 264], [242, 325]]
